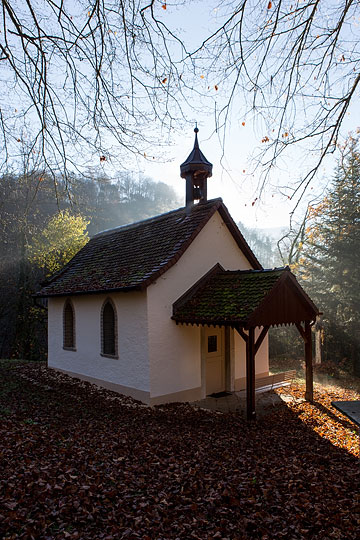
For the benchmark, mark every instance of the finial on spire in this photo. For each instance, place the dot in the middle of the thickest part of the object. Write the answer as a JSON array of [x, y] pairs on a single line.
[[196, 129]]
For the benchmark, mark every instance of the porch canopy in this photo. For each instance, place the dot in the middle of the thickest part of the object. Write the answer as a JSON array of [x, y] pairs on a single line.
[[244, 300]]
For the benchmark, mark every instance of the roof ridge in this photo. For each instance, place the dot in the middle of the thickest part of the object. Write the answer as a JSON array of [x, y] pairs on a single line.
[[159, 217], [257, 271]]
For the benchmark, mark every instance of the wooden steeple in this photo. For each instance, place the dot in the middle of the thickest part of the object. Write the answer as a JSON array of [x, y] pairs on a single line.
[[196, 170]]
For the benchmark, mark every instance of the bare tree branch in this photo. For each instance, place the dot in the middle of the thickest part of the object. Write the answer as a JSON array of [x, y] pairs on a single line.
[[93, 78]]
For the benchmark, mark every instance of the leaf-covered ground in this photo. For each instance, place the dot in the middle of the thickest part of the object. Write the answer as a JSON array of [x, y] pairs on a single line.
[[82, 463]]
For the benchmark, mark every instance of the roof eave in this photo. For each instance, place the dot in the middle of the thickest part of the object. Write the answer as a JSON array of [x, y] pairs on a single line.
[[207, 322], [97, 291]]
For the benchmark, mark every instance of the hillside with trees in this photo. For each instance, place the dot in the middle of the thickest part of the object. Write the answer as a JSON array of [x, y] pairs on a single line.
[[324, 253]]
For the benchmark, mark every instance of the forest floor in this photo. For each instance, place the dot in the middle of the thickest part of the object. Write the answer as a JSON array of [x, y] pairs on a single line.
[[81, 462]]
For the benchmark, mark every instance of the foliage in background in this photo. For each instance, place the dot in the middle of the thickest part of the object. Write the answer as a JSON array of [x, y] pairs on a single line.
[[64, 235], [285, 346], [329, 264]]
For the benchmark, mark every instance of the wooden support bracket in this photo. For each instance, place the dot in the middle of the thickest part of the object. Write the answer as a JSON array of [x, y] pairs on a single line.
[[242, 333], [309, 393], [261, 338]]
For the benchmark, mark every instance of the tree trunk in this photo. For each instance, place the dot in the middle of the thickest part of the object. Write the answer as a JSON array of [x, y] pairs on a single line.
[[318, 340]]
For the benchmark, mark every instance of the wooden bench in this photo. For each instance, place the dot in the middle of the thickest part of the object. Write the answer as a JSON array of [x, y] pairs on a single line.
[[265, 384]]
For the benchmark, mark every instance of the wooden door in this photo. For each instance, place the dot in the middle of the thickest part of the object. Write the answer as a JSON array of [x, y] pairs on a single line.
[[215, 359]]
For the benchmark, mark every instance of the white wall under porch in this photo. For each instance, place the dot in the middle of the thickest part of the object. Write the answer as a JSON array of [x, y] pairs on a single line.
[[261, 359], [234, 351]]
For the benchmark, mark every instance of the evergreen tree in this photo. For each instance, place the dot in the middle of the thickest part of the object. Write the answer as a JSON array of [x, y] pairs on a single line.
[[330, 264]]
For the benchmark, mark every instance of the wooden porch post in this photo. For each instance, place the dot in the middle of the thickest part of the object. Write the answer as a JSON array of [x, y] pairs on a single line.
[[306, 335], [250, 375], [251, 349], [309, 392]]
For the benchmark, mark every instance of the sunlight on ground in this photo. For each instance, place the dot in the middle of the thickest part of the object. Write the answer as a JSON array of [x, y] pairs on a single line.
[[322, 417]]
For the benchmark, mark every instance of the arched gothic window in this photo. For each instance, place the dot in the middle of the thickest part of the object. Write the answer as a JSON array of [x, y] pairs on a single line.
[[68, 326], [108, 329]]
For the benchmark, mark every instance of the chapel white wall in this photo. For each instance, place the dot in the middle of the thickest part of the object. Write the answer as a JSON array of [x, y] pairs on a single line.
[[261, 357], [175, 350], [131, 368]]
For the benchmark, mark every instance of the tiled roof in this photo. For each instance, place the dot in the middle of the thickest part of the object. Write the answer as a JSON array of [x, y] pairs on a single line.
[[234, 298], [133, 256]]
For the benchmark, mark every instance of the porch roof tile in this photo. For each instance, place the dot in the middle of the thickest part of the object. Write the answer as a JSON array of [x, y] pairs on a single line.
[[241, 298]]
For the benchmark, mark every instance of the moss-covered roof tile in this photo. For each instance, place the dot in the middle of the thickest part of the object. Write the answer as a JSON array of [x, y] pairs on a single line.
[[226, 296]]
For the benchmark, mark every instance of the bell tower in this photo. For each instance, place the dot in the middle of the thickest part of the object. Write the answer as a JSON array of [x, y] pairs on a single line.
[[196, 170]]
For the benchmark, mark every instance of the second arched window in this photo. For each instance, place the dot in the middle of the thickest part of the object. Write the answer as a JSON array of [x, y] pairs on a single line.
[[108, 329]]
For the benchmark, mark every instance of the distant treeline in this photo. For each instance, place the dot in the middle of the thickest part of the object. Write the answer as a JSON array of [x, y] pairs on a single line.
[[263, 245]]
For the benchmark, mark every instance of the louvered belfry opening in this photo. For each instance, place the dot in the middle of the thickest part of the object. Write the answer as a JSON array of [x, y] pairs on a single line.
[[69, 330], [108, 329]]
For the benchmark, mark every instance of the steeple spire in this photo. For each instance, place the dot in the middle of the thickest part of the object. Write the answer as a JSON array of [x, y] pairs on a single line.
[[196, 170]]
